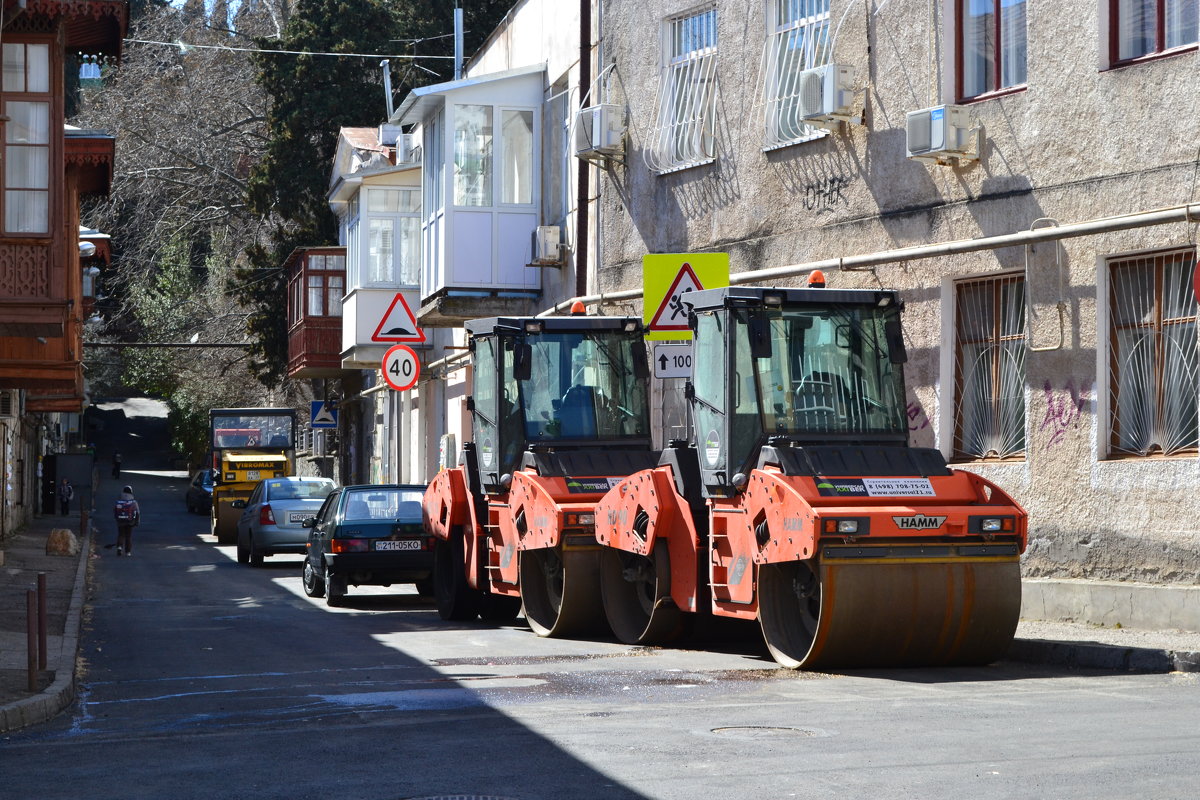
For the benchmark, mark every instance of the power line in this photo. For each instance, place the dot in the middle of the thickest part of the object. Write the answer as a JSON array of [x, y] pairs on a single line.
[[184, 47]]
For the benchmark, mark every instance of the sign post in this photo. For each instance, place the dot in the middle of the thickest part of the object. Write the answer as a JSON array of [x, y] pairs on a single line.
[[401, 367]]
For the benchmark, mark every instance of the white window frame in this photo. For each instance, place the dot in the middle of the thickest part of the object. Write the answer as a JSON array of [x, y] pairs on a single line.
[[684, 133], [781, 75]]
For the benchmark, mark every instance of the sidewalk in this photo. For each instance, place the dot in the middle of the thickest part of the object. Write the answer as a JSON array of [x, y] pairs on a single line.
[[66, 578], [1072, 645]]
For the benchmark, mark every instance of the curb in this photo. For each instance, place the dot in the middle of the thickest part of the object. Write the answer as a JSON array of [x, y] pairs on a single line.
[[61, 693], [1092, 655]]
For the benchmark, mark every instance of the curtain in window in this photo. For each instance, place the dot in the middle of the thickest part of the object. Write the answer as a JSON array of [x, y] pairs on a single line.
[[316, 296], [1181, 22], [472, 155], [516, 179], [337, 290], [990, 368], [1136, 24], [986, 24], [381, 235], [1154, 366]]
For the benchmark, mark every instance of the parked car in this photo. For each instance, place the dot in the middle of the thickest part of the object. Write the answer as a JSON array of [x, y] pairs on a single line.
[[368, 535], [273, 516], [199, 492]]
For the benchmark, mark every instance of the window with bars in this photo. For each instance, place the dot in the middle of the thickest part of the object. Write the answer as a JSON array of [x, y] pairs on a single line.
[[684, 134], [991, 46], [1140, 28], [27, 107], [1152, 355], [989, 366], [797, 40]]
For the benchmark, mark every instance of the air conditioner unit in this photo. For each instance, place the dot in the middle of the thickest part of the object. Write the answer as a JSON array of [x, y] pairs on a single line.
[[827, 95], [407, 151], [10, 403], [942, 135], [547, 246], [600, 131]]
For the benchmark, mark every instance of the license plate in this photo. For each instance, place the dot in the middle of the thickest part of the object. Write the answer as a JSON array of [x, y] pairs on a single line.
[[404, 544], [252, 475], [299, 516]]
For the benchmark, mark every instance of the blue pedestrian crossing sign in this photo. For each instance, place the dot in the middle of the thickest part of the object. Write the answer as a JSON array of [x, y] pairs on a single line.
[[324, 415]]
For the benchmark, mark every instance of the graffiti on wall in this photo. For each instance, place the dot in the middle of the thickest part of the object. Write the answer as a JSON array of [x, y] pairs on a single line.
[[826, 193], [917, 419], [1064, 408]]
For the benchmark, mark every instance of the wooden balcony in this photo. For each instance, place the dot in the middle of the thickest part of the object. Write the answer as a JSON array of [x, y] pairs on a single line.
[[316, 283]]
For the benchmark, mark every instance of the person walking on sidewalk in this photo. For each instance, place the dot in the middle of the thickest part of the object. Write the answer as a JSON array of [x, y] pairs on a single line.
[[116, 464], [128, 515], [66, 493]]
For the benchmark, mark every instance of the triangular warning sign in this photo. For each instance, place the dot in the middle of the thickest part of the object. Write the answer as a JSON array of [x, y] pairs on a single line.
[[399, 324], [672, 315], [323, 415]]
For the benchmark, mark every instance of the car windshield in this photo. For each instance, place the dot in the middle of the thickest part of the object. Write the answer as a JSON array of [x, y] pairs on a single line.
[[383, 503], [299, 490]]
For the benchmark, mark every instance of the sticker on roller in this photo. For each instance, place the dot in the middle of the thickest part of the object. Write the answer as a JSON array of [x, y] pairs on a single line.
[[712, 448], [898, 487]]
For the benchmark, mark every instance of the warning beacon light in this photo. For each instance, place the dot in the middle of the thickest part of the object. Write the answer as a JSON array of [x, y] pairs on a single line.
[[816, 279], [577, 309]]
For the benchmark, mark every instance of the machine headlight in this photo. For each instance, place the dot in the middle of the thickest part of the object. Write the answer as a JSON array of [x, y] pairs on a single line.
[[990, 524], [847, 526]]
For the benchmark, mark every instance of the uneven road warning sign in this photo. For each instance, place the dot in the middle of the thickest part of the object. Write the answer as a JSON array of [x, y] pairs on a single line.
[[399, 324], [323, 415], [667, 278]]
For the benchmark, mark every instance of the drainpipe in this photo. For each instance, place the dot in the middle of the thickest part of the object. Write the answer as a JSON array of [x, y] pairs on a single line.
[[1188, 214], [581, 197]]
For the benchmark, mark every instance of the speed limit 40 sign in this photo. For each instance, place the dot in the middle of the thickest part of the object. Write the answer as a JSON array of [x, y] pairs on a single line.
[[401, 367]]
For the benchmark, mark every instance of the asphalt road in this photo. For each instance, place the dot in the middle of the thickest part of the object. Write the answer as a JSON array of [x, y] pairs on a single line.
[[206, 679]]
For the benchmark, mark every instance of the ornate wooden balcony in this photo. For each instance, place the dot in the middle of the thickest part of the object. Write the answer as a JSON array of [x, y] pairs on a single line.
[[316, 283]]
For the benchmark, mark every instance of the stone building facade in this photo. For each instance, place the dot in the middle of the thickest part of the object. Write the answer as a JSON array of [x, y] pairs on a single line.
[[1061, 364]]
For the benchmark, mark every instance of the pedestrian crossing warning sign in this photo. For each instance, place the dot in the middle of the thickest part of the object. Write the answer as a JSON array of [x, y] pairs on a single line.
[[399, 324], [667, 279]]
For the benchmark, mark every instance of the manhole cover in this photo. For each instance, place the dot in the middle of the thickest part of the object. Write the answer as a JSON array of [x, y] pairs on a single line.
[[767, 732]]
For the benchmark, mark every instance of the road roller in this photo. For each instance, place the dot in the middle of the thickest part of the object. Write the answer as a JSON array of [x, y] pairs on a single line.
[[798, 500], [559, 415]]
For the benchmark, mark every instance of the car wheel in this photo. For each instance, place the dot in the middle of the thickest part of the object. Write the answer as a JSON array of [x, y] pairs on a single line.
[[314, 581], [256, 557], [243, 552], [335, 588]]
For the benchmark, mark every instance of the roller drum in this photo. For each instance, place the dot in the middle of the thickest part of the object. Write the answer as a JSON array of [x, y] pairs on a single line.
[[560, 592], [905, 614]]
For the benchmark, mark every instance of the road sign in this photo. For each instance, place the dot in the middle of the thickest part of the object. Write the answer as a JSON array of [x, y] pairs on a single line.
[[672, 360], [401, 368], [667, 278], [323, 415], [399, 324]]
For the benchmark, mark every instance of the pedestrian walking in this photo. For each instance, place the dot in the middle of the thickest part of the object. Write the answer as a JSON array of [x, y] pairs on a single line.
[[116, 464], [66, 493], [128, 514]]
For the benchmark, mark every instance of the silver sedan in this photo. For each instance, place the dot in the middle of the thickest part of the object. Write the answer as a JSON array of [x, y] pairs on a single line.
[[273, 517]]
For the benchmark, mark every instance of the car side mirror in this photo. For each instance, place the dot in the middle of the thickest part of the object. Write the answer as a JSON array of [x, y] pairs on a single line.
[[238, 504], [309, 522]]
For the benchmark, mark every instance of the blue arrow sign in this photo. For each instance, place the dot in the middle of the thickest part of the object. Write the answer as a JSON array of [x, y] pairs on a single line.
[[323, 415]]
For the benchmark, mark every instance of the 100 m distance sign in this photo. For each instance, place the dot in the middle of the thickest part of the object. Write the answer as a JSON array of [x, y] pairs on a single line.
[[401, 368]]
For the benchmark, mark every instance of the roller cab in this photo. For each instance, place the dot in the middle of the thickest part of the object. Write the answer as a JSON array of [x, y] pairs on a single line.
[[559, 415]]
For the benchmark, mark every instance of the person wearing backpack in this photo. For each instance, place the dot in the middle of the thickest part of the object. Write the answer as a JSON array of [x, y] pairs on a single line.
[[128, 515], [66, 493]]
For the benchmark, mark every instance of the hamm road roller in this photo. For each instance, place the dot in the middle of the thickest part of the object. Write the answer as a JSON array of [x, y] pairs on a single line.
[[799, 502], [559, 415]]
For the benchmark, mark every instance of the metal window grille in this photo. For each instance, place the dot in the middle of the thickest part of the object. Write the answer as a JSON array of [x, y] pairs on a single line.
[[684, 133], [797, 40], [989, 354], [1152, 355]]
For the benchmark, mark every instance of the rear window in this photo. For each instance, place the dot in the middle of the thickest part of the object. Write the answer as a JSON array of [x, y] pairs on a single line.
[[383, 504], [299, 490]]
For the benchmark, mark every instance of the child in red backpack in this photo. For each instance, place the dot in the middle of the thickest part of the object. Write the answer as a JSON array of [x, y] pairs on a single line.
[[128, 515]]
